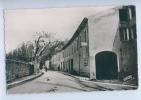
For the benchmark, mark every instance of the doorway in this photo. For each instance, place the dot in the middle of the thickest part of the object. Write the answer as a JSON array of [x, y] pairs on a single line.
[[106, 65]]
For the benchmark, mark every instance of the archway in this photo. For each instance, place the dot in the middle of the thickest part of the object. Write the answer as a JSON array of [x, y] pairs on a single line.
[[106, 65]]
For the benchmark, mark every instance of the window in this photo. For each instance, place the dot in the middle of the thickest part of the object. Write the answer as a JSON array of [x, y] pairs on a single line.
[[120, 51], [134, 31], [132, 8], [72, 49], [85, 36], [77, 44], [123, 35], [123, 14], [63, 65], [130, 13], [80, 40], [127, 34], [127, 13], [65, 53], [84, 52], [68, 51]]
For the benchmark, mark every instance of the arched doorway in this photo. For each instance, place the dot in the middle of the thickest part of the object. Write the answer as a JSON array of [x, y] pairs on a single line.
[[106, 65]]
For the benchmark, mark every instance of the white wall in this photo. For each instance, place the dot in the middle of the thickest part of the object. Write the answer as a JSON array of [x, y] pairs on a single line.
[[102, 31]]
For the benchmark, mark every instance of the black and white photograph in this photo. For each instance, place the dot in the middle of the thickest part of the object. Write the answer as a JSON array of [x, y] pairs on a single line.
[[71, 49]]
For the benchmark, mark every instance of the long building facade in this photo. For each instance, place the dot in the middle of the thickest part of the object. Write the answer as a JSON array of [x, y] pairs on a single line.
[[104, 46]]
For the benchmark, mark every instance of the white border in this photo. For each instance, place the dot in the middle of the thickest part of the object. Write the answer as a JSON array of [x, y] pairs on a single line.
[[16, 4]]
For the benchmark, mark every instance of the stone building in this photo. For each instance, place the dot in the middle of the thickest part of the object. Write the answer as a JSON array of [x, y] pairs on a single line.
[[103, 46], [74, 57], [125, 43]]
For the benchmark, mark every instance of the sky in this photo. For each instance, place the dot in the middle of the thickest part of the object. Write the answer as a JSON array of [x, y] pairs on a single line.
[[21, 25]]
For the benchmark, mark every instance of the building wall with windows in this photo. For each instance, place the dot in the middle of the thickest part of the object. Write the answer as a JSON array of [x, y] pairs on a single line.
[[74, 57], [103, 47], [55, 61], [75, 53], [125, 43]]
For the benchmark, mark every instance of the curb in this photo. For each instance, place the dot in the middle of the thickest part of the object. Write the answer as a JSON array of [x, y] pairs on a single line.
[[75, 76], [85, 82], [10, 85], [88, 79], [109, 84]]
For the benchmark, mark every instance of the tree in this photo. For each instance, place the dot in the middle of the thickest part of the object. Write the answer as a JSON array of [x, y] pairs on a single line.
[[37, 51], [22, 53], [44, 47]]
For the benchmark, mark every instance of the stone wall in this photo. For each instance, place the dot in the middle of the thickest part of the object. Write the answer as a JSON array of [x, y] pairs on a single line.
[[17, 69], [125, 46]]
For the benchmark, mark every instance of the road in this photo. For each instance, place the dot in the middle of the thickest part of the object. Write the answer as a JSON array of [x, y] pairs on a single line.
[[54, 81]]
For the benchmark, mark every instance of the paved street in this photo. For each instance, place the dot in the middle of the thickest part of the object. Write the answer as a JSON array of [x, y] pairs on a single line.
[[54, 81]]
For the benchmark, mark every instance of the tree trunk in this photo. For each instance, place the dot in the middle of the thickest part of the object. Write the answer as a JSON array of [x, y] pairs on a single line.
[[36, 66]]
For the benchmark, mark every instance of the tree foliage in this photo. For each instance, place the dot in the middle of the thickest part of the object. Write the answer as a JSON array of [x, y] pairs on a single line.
[[45, 46], [22, 53], [40, 49]]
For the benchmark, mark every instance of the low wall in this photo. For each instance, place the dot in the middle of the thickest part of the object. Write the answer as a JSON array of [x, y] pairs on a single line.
[[17, 69]]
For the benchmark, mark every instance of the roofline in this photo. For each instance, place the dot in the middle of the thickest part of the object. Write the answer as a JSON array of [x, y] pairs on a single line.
[[81, 26]]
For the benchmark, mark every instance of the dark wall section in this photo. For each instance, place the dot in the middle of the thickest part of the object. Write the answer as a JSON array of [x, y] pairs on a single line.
[[16, 69], [106, 65], [125, 44]]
